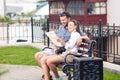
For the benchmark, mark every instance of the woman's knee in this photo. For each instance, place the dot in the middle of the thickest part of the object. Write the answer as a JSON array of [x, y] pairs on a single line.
[[51, 61], [48, 61], [43, 60]]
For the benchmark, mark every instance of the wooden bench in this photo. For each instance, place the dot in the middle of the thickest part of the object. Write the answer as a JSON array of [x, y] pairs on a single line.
[[77, 70]]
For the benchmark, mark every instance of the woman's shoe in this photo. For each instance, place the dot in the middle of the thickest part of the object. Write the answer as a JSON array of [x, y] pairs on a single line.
[[60, 78]]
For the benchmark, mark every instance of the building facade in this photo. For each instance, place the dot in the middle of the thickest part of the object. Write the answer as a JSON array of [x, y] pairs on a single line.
[[113, 12], [85, 11]]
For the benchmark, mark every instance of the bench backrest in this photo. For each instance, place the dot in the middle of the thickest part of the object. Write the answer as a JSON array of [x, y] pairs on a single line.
[[87, 47], [84, 50]]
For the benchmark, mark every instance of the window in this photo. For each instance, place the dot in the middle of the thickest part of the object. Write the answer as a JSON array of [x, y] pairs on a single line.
[[76, 7], [97, 8], [57, 7]]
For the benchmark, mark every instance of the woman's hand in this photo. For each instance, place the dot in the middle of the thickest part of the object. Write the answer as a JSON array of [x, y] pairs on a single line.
[[79, 41]]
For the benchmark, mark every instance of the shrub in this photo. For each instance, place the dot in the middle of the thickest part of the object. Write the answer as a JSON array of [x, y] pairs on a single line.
[[5, 19]]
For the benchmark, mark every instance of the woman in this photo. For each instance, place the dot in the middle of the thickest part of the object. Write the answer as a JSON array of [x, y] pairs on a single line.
[[54, 60]]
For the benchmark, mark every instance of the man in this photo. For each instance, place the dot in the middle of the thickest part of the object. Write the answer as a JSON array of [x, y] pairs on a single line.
[[62, 33]]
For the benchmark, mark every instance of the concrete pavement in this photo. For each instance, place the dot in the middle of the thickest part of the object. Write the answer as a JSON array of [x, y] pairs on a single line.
[[23, 72]]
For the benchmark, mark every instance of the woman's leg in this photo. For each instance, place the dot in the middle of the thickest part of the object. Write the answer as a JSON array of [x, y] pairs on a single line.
[[52, 62]]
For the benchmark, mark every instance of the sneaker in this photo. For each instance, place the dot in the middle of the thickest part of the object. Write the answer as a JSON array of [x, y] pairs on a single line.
[[43, 77], [60, 78]]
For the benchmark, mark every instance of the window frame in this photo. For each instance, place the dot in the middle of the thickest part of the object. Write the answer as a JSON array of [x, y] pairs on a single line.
[[57, 7], [96, 8]]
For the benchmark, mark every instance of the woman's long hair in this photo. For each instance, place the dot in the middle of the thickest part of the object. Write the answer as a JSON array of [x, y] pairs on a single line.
[[77, 25]]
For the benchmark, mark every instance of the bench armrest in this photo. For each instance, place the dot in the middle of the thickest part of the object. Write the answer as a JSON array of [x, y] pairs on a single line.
[[84, 54]]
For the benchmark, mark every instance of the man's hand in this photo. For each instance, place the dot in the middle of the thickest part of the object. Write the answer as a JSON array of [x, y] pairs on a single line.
[[61, 41], [55, 47]]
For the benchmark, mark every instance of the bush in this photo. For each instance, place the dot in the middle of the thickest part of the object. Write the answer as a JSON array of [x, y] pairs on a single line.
[[5, 19]]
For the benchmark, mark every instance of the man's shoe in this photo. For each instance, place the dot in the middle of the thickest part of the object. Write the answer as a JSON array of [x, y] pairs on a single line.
[[43, 77]]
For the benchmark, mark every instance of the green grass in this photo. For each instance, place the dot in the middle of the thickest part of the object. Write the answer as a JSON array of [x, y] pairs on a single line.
[[111, 76], [23, 55]]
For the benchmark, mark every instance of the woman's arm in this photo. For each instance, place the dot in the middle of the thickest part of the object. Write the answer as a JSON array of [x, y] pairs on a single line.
[[86, 38], [72, 41]]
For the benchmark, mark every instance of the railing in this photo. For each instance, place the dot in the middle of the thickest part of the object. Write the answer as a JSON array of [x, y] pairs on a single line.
[[30, 30]]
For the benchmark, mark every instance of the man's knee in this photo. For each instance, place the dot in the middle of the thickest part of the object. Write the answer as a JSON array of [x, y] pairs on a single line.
[[38, 55]]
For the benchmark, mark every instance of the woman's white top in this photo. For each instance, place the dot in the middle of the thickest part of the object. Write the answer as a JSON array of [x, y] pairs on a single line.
[[71, 44]]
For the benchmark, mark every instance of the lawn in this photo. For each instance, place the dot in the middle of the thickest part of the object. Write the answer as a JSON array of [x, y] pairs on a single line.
[[111, 76], [24, 55]]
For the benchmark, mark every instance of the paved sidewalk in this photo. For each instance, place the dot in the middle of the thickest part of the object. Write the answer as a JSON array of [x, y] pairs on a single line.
[[22, 72]]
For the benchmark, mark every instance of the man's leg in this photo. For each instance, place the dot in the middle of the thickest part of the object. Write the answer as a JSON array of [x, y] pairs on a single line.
[[52, 62], [45, 67], [38, 57]]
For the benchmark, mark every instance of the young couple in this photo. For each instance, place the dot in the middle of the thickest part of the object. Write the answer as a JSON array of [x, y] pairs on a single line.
[[69, 36]]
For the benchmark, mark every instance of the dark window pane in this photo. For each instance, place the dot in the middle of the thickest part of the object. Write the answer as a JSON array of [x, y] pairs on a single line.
[[76, 7]]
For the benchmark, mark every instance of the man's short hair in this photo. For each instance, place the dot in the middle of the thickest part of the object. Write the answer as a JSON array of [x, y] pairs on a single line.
[[65, 14]]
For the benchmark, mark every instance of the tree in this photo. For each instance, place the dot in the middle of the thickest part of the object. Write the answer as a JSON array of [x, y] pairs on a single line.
[[40, 1], [23, 14]]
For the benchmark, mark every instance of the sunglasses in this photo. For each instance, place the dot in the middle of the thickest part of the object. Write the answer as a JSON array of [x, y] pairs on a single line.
[[64, 14]]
